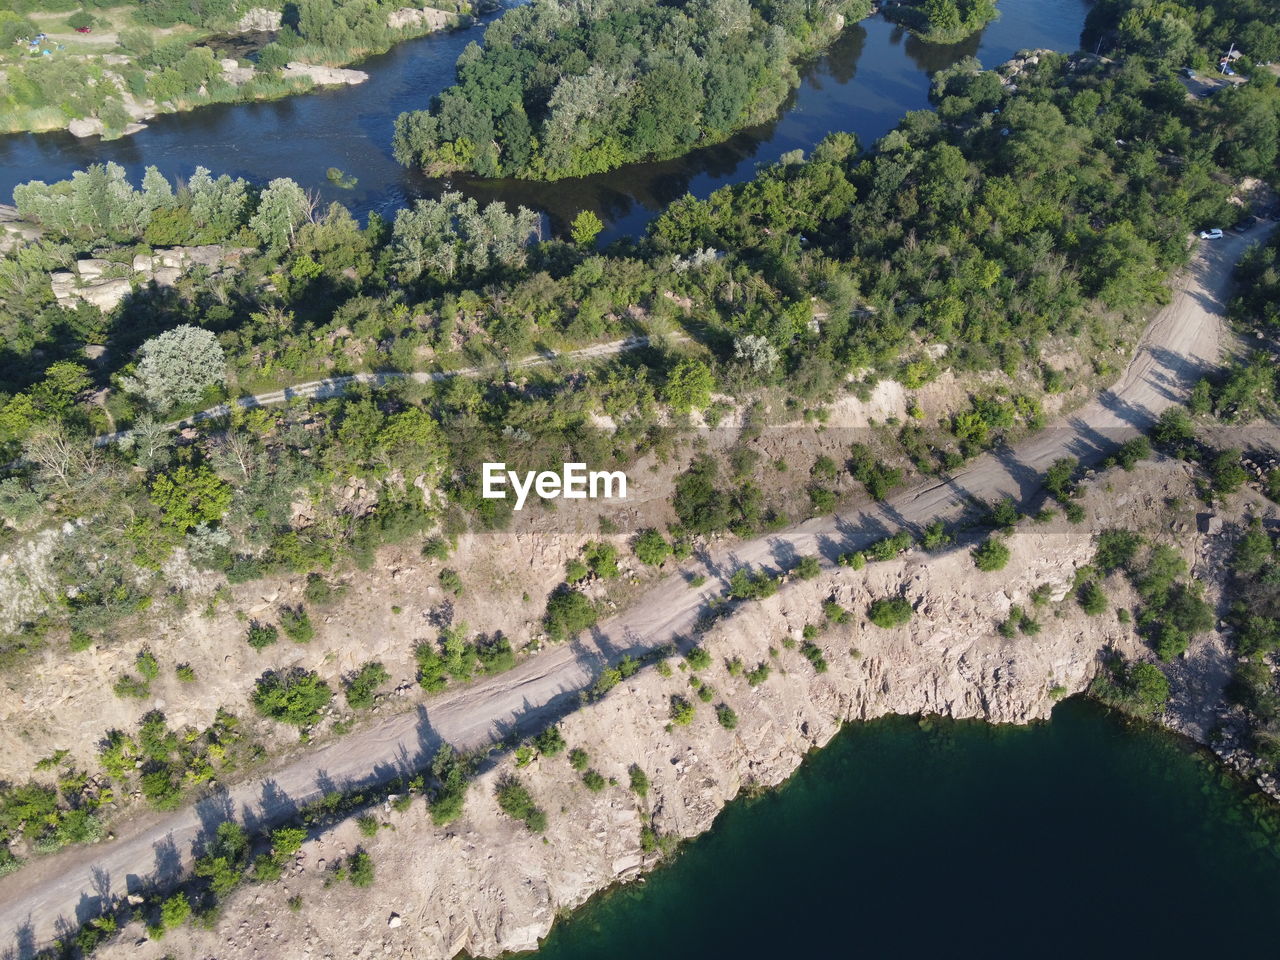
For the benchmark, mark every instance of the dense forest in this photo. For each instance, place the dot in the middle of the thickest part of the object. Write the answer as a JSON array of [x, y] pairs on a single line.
[[561, 89]]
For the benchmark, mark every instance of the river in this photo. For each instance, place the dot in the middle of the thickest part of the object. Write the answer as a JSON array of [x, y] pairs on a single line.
[[1084, 836], [866, 81]]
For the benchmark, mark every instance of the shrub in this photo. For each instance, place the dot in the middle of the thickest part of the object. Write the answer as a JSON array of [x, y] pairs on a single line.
[[991, 555], [697, 658], [296, 624], [808, 568], [890, 612], [728, 719], [568, 614], [594, 781], [361, 686], [578, 758], [368, 824], [1092, 598], [147, 664], [261, 635], [759, 675], [681, 711], [639, 781], [550, 742], [452, 771], [451, 581], [517, 803], [813, 653], [174, 911], [652, 548], [294, 697], [185, 673], [360, 869]]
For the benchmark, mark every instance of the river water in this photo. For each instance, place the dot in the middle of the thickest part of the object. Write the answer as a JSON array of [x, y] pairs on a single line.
[[1081, 837], [865, 82]]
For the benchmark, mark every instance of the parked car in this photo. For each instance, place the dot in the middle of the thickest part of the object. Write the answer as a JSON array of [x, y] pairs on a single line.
[[84, 29], [1214, 234]]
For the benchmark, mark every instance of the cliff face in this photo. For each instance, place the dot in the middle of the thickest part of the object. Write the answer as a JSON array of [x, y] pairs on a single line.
[[486, 885]]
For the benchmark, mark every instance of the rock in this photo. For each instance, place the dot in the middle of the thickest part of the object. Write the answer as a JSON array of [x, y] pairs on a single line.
[[141, 263], [86, 127], [92, 269], [105, 294], [324, 76], [410, 17], [394, 921], [166, 276], [260, 19], [131, 128]]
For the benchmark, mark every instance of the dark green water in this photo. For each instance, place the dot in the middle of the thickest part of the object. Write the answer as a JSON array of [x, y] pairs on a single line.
[[1082, 837]]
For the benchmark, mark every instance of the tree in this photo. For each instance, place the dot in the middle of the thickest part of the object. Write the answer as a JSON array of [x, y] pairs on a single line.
[[282, 209], [568, 614], [585, 228], [689, 386], [190, 496], [176, 367]]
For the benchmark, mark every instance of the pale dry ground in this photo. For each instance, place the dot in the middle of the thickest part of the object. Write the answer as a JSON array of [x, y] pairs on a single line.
[[1182, 342]]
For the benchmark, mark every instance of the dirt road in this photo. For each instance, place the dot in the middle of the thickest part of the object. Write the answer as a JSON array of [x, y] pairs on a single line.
[[55, 893]]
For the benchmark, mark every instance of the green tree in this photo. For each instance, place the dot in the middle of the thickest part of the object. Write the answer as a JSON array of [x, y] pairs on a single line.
[[585, 228], [296, 696], [890, 612], [990, 555], [689, 386], [176, 367], [191, 496]]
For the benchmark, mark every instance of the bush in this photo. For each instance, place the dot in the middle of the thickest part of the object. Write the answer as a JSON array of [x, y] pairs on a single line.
[[1092, 598], [296, 624], [517, 803], [681, 711], [452, 771], [652, 548], [578, 758], [360, 869], [451, 581], [550, 742], [639, 781], [594, 781], [361, 686], [697, 658], [890, 612], [295, 697], [728, 719], [568, 614], [808, 568], [759, 675], [991, 555], [261, 635]]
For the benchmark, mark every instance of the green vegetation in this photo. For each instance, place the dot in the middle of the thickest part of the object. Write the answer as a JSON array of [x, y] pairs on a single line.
[[452, 772], [361, 686], [639, 781], [682, 710], [726, 716], [517, 803], [991, 555], [890, 612], [558, 91], [1138, 688], [943, 21], [295, 696]]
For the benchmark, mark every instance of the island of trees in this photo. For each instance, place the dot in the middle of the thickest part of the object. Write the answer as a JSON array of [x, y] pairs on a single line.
[[565, 89], [942, 21]]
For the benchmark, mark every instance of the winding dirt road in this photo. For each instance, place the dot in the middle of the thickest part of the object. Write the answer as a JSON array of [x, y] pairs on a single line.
[[52, 895]]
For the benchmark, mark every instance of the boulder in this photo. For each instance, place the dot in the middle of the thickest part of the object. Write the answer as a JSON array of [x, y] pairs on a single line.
[[141, 263], [324, 76], [411, 17], [86, 127], [105, 294], [260, 18], [91, 269], [166, 276]]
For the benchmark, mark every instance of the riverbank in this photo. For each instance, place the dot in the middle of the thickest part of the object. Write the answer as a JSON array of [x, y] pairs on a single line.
[[485, 885], [944, 22], [122, 77]]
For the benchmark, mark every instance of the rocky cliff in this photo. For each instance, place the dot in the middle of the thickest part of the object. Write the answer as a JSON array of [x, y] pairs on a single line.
[[486, 885]]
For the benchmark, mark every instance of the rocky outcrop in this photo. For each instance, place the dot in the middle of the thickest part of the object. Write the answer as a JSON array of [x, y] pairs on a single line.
[[260, 19], [105, 283], [232, 72], [427, 17], [86, 127], [323, 76]]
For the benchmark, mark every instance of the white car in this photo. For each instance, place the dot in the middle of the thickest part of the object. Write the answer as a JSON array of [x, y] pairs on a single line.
[[1214, 234]]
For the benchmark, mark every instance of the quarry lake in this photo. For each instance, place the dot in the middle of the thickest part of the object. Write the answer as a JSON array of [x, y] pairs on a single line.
[[864, 83], [1083, 836]]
